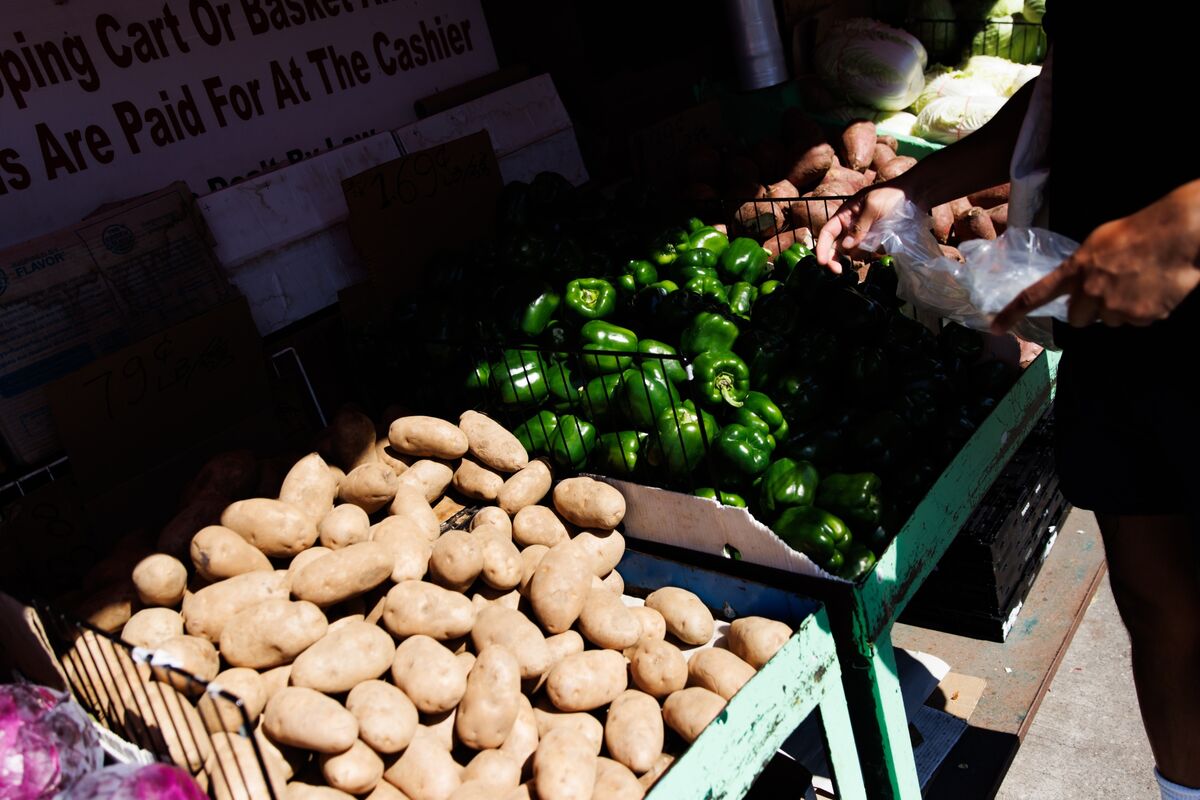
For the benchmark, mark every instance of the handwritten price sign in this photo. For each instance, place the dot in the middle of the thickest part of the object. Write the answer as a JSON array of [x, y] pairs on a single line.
[[405, 211], [129, 411]]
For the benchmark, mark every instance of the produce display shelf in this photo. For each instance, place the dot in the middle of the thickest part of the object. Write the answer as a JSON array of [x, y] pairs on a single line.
[[862, 614], [804, 677]]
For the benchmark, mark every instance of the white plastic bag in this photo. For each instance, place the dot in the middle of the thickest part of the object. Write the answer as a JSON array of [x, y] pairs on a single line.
[[995, 271]]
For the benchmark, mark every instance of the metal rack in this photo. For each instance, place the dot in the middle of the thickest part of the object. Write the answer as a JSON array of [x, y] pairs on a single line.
[[1017, 40], [159, 711]]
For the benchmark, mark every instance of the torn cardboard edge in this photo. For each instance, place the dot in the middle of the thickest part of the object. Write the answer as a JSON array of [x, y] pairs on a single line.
[[706, 526]]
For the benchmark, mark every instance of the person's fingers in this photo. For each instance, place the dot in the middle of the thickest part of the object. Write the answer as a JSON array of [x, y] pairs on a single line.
[[1062, 281], [826, 240], [1112, 319], [1083, 309]]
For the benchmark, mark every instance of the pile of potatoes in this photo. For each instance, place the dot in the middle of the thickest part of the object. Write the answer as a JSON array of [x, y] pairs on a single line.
[[376, 655]]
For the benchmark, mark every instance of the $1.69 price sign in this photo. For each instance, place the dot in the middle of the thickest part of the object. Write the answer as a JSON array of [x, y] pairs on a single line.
[[405, 211]]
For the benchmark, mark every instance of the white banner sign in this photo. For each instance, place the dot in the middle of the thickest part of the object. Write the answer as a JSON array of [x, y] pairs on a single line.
[[105, 99]]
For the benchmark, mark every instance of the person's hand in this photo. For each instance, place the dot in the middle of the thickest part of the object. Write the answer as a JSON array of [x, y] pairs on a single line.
[[850, 223], [1131, 271]]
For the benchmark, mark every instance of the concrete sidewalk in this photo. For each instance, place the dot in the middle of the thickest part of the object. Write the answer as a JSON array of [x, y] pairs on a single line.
[[1087, 741]]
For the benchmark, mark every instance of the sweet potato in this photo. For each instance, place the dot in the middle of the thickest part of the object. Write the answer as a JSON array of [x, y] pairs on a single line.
[[858, 144], [840, 174], [990, 197], [975, 224], [951, 252], [890, 141], [814, 208], [897, 166], [943, 221], [785, 239], [810, 165], [759, 219], [883, 154], [999, 215]]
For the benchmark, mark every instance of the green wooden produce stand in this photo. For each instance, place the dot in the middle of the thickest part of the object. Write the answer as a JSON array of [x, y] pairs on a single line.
[[801, 678], [862, 615]]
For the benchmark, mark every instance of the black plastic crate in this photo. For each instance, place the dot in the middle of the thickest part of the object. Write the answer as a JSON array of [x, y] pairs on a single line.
[[985, 575]]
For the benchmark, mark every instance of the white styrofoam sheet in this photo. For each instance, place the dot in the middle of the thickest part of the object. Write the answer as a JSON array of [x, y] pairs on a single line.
[[289, 204], [696, 523], [514, 117], [558, 152], [288, 283]]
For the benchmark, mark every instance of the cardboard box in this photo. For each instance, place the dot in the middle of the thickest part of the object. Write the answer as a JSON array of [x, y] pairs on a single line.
[[282, 238], [71, 296]]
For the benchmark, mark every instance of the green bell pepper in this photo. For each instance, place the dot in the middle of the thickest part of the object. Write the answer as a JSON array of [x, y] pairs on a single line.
[[857, 561], [741, 298], [673, 367], [534, 433], [710, 239], [790, 258], [684, 435], [480, 376], [708, 332], [708, 287], [601, 396], [724, 498], [645, 392], [744, 260], [669, 245], [867, 372], [519, 377], [606, 338], [694, 224], [561, 383], [572, 441], [788, 483], [802, 397], [767, 288], [697, 258], [761, 413], [689, 273], [617, 454], [744, 450], [853, 497], [591, 298], [539, 312], [666, 286], [643, 272], [818, 534], [724, 378]]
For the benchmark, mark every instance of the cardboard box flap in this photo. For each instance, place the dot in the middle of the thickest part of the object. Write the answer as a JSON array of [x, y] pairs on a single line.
[[706, 526]]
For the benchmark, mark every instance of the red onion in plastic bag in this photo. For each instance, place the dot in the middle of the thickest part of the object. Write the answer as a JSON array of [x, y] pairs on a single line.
[[46, 743], [138, 782]]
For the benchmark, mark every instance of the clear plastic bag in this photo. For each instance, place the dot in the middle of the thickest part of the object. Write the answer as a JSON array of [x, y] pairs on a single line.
[[995, 271], [46, 743]]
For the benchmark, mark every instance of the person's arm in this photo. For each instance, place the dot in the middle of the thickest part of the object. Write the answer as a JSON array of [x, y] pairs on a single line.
[[1133, 270], [976, 162]]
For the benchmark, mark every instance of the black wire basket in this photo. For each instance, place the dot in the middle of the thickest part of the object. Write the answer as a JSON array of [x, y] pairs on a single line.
[[950, 40], [171, 715]]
